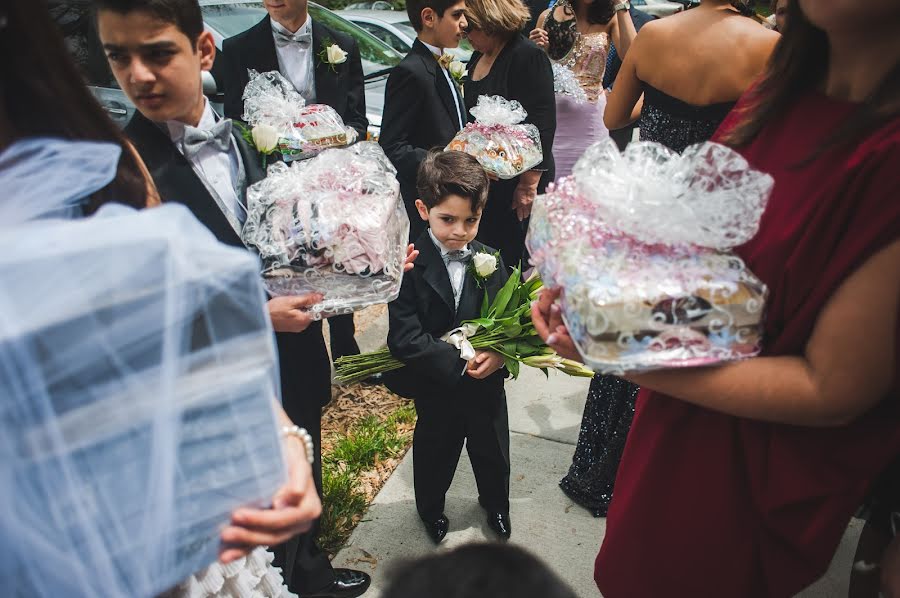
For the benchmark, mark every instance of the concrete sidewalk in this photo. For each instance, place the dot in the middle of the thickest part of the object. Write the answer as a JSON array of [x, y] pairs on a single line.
[[544, 420]]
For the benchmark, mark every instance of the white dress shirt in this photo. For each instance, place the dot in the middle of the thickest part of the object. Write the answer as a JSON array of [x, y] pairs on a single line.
[[296, 63], [455, 270], [453, 90], [219, 171]]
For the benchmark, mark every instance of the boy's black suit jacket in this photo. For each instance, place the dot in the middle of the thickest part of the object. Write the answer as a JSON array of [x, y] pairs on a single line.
[[340, 86], [419, 114], [422, 313], [305, 367]]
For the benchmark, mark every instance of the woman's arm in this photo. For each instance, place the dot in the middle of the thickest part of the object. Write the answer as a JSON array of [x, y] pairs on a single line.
[[295, 506], [849, 365], [622, 32], [539, 35], [627, 91]]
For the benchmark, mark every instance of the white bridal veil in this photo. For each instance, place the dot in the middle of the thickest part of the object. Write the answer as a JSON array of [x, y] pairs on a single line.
[[137, 384]]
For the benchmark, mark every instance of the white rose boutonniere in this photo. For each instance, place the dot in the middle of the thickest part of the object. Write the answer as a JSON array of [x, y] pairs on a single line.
[[458, 71], [332, 54], [483, 265], [263, 138]]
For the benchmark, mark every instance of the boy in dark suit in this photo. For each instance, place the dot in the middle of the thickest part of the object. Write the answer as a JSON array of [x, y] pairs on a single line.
[[423, 107], [157, 50], [458, 399], [289, 41]]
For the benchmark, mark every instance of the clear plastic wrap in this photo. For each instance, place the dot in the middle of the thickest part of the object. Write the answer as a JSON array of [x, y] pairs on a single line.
[[138, 374], [334, 225], [501, 145], [304, 131], [566, 83], [639, 242]]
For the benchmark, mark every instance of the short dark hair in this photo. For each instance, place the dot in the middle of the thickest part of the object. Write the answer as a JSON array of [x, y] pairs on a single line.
[[495, 570], [184, 14], [414, 9], [444, 173]]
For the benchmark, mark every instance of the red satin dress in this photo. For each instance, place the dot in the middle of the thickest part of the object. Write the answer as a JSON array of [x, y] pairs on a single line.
[[713, 506]]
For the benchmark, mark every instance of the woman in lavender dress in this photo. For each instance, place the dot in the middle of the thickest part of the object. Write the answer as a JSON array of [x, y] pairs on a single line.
[[576, 35]]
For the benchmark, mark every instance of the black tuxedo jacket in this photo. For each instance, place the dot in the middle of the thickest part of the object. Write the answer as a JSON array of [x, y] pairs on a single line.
[[419, 114], [422, 313], [340, 86], [305, 367]]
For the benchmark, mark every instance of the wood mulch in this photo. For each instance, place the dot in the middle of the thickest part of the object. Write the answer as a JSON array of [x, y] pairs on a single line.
[[353, 402]]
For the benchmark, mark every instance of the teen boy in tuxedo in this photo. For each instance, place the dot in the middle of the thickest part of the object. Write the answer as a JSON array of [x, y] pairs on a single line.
[[458, 400], [157, 50], [423, 107], [289, 41]]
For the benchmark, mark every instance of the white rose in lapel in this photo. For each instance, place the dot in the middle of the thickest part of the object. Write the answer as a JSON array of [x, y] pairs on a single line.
[[457, 70], [265, 138], [335, 54], [485, 264]]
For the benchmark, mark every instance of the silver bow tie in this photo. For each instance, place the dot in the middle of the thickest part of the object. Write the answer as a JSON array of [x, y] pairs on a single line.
[[219, 136], [282, 39], [460, 255]]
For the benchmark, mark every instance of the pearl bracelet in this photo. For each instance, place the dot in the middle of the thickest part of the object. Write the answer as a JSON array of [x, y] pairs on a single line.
[[304, 437]]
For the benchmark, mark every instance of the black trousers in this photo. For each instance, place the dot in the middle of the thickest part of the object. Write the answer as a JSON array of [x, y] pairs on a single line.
[[443, 425], [305, 389], [342, 334]]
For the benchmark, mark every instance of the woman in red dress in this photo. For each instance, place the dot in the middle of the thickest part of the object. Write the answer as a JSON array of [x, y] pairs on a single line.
[[738, 481]]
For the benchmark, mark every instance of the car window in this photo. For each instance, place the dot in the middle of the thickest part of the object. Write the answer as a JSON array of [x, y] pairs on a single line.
[[386, 36], [407, 28], [232, 18], [376, 55]]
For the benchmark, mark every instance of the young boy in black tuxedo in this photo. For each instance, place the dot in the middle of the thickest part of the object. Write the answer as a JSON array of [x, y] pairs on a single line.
[[457, 399], [157, 50], [288, 40], [423, 107]]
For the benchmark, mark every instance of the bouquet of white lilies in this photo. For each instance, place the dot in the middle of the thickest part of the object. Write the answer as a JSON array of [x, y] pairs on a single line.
[[504, 327]]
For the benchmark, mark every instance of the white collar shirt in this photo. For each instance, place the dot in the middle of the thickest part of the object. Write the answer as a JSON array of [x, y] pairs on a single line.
[[295, 61], [456, 271], [219, 171], [453, 90]]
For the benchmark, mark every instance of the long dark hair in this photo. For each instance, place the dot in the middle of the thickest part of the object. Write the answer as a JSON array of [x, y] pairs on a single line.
[[43, 94], [599, 12], [798, 65]]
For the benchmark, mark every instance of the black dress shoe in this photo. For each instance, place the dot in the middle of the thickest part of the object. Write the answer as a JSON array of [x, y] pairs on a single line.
[[499, 522], [348, 583], [437, 529]]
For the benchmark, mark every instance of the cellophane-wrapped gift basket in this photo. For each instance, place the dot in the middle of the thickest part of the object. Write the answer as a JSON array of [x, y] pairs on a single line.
[[498, 139], [334, 224], [640, 243]]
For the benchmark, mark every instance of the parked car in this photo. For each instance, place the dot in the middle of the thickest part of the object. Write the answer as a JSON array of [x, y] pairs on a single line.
[[378, 5], [394, 29], [660, 8], [223, 18]]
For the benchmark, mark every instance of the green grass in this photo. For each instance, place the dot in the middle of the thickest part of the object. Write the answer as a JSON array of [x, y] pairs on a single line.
[[367, 442], [341, 502]]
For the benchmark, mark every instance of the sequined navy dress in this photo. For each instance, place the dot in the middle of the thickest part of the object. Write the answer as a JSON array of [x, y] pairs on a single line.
[[610, 401]]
